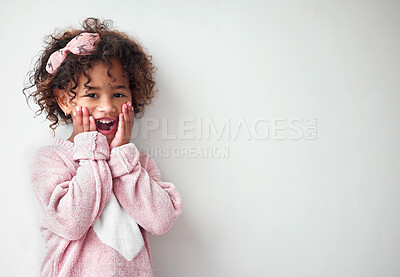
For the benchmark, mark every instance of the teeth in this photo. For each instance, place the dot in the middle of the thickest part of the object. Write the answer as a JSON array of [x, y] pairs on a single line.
[[106, 121]]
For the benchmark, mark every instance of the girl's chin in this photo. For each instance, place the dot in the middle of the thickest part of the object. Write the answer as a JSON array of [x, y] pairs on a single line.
[[109, 134]]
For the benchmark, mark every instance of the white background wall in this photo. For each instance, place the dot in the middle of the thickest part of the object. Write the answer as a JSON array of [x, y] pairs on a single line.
[[277, 206]]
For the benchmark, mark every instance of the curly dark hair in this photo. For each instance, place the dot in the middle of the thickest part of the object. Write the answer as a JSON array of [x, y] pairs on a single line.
[[136, 63]]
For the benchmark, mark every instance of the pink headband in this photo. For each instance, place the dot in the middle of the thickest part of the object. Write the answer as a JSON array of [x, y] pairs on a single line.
[[82, 44]]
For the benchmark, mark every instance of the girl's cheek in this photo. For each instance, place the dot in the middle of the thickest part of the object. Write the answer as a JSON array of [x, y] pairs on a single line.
[[89, 110]]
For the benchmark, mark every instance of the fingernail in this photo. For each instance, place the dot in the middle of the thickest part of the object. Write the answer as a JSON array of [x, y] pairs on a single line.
[[74, 113]]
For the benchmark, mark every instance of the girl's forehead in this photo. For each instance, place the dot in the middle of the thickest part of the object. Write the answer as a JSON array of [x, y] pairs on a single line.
[[99, 73]]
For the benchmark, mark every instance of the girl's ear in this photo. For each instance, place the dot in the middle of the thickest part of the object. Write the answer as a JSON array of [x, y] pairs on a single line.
[[62, 98]]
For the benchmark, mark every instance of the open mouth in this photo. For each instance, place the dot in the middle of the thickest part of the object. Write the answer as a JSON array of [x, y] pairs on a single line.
[[104, 124]]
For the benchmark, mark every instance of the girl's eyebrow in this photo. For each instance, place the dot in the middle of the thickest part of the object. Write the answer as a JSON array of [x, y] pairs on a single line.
[[113, 87]]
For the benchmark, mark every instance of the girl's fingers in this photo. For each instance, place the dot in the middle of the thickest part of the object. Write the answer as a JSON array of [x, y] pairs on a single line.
[[122, 125], [123, 134], [131, 119], [127, 126], [128, 115], [124, 109], [117, 134], [130, 112], [128, 121], [78, 120], [73, 115], [85, 119], [92, 123], [122, 117]]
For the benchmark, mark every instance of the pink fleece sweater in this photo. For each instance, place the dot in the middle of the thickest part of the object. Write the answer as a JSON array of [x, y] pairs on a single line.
[[96, 207]]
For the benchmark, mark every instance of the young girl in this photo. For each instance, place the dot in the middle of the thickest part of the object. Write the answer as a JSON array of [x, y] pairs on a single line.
[[98, 195]]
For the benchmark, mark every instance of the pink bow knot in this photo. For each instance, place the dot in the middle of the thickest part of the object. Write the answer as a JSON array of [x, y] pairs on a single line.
[[82, 44]]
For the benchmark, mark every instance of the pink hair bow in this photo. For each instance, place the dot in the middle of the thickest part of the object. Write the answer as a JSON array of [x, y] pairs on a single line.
[[82, 44]]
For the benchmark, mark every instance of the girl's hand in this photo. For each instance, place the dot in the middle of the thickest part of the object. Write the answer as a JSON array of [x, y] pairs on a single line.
[[82, 121], [125, 123]]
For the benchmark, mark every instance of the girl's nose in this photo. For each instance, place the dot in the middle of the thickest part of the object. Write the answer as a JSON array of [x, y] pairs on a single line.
[[107, 106]]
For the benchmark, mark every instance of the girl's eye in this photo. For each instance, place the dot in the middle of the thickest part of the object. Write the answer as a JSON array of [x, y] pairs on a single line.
[[91, 95], [119, 95]]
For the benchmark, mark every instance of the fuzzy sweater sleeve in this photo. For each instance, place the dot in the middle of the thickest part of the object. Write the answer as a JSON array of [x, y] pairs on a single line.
[[152, 203], [71, 199]]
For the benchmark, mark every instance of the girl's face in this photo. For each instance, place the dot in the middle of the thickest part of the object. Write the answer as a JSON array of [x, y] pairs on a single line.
[[103, 96]]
